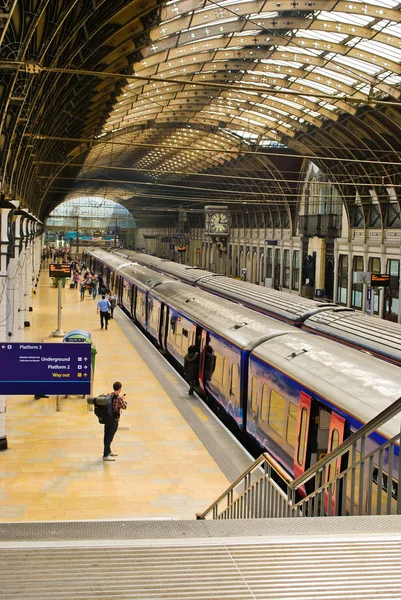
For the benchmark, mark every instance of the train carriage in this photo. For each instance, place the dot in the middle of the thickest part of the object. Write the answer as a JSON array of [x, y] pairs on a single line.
[[195, 317], [297, 395], [345, 325]]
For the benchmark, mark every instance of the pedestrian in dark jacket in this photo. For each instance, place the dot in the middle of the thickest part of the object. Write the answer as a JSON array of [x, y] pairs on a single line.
[[210, 363], [191, 368]]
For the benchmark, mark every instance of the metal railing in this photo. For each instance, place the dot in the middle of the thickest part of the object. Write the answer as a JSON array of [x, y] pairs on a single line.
[[365, 485]]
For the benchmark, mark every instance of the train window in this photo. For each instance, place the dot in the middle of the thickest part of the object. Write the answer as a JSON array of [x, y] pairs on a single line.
[[277, 412], [381, 508], [292, 421], [356, 478], [302, 436], [173, 324], [178, 334], [225, 374], [185, 333], [264, 411], [218, 371], [335, 440], [254, 395], [234, 380]]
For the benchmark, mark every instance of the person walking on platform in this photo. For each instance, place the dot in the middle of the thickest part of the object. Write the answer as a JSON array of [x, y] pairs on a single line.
[[118, 403], [191, 368], [113, 302], [103, 306], [82, 288]]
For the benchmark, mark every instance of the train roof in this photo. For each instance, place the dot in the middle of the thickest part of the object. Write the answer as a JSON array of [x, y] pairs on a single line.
[[147, 278], [145, 259], [113, 261], [359, 384], [375, 335], [235, 323], [284, 305], [186, 273]]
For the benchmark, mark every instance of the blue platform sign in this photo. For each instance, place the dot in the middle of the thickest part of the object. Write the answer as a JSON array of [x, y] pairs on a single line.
[[42, 368]]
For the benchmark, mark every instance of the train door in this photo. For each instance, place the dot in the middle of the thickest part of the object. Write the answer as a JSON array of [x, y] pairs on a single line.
[[202, 335], [163, 326], [336, 437], [134, 295], [301, 456]]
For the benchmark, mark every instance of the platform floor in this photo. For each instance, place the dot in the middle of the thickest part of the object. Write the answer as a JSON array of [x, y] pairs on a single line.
[[53, 469]]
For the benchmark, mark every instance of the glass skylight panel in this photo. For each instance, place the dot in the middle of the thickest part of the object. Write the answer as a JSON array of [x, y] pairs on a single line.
[[393, 30], [385, 3], [329, 36], [359, 65], [379, 49], [338, 76], [349, 18], [392, 79]]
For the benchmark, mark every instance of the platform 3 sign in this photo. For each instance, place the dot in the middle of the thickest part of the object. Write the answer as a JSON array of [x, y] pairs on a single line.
[[35, 368]]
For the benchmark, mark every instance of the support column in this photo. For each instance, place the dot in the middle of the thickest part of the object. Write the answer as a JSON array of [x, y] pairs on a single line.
[[28, 274], [336, 260], [350, 280], [5, 215], [381, 290]]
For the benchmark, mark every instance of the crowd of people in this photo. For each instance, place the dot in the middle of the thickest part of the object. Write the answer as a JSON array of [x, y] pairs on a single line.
[[85, 280]]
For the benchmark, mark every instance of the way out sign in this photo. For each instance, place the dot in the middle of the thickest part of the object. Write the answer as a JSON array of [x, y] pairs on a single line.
[[38, 369]]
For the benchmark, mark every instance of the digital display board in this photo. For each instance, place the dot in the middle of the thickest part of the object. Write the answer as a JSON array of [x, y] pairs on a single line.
[[59, 270], [45, 368], [380, 280]]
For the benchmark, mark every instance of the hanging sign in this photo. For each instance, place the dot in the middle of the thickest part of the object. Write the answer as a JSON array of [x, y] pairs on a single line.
[[59, 270]]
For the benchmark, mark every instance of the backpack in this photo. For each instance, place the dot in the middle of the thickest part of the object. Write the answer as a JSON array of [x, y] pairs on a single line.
[[103, 408]]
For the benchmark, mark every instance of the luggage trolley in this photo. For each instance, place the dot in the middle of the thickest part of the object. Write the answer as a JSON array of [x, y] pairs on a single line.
[[76, 336]]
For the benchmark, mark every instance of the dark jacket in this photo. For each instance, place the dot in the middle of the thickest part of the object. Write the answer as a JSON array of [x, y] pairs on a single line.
[[191, 366], [210, 365]]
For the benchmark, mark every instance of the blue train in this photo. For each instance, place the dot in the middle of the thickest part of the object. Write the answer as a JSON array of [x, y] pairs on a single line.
[[297, 395], [378, 337]]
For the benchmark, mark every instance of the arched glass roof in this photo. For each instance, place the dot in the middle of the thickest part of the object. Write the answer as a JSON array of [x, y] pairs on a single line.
[[269, 71], [123, 99]]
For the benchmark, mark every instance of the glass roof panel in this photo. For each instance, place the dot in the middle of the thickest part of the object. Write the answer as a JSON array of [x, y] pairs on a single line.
[[262, 71]]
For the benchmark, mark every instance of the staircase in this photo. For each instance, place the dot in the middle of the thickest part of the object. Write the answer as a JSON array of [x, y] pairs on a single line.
[[208, 560]]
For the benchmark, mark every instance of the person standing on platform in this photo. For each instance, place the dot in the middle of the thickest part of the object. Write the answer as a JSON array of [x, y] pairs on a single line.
[[82, 288], [94, 286], [118, 403], [102, 289], [191, 368], [209, 362], [103, 306], [113, 302]]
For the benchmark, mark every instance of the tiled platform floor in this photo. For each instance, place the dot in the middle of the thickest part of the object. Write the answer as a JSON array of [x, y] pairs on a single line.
[[53, 468]]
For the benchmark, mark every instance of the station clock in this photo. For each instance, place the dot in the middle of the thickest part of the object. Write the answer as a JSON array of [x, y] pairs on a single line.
[[217, 220]]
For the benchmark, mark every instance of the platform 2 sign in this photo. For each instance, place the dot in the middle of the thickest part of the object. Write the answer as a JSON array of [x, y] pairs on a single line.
[[59, 270], [39, 369]]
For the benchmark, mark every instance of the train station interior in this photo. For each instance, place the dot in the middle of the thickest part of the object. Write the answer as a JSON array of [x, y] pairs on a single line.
[[240, 158]]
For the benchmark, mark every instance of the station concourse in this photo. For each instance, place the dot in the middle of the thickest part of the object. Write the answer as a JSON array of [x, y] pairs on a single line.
[[53, 468]]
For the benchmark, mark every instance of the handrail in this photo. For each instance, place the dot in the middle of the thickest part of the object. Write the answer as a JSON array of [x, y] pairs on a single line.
[[381, 418], [261, 459], [345, 473]]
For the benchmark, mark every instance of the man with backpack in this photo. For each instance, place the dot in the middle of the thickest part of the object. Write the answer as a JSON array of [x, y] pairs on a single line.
[[117, 403], [103, 306]]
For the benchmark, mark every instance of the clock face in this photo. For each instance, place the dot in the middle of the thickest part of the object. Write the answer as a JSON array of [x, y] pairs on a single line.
[[219, 223]]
